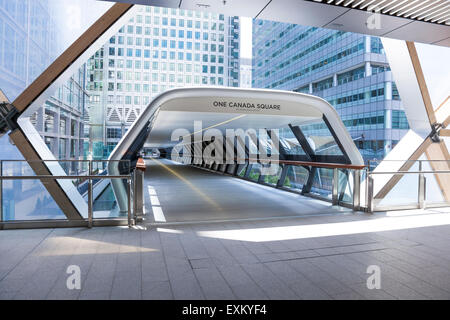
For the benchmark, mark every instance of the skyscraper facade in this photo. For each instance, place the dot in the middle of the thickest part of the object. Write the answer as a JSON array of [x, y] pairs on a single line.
[[60, 121], [348, 70], [158, 49], [29, 42]]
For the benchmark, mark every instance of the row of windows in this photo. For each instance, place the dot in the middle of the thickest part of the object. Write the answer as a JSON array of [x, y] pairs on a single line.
[[293, 41], [129, 87], [139, 53], [374, 145], [358, 97], [322, 85], [173, 34], [180, 12], [320, 64], [136, 76], [364, 121], [206, 25], [119, 63], [351, 75], [97, 75], [346, 77], [310, 49]]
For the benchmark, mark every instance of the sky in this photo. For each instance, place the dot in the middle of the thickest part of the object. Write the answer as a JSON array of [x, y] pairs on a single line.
[[246, 37]]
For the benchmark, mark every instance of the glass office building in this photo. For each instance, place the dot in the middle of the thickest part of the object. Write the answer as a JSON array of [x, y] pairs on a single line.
[[29, 42], [158, 49], [348, 70]]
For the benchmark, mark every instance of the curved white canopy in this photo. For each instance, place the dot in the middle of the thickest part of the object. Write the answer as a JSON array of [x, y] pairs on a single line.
[[223, 108]]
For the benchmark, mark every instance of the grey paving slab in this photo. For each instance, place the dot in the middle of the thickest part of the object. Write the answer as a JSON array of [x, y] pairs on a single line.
[[181, 262], [213, 284]]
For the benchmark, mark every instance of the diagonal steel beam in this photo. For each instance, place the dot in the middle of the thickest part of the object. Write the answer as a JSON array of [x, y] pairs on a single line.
[[39, 86]]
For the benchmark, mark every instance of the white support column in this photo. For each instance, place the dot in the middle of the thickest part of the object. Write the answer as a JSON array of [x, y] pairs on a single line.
[[367, 43], [368, 69], [388, 119], [335, 80], [388, 90], [310, 88]]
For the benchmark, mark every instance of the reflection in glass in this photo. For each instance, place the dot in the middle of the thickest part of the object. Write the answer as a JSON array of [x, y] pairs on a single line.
[[296, 177], [320, 138], [273, 179]]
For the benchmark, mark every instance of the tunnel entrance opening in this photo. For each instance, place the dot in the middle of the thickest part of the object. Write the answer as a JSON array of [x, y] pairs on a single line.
[[283, 141]]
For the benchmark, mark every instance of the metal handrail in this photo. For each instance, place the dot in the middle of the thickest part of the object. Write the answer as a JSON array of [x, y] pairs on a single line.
[[89, 177], [2, 177], [406, 172], [297, 162]]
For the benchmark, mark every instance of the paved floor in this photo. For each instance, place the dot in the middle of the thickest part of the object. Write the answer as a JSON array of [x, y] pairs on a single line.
[[321, 257], [202, 195]]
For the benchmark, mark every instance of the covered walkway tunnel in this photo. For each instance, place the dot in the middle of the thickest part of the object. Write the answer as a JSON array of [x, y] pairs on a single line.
[[290, 141]]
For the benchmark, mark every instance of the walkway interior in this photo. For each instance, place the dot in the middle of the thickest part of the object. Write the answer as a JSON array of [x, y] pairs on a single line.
[[181, 193]]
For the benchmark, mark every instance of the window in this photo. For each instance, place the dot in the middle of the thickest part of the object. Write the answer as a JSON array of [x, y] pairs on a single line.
[[399, 120], [395, 94], [113, 133]]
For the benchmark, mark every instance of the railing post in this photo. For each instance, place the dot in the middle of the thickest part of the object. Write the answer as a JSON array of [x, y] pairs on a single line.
[[335, 183], [90, 203], [356, 189], [283, 174], [130, 219], [421, 187], [369, 193]]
